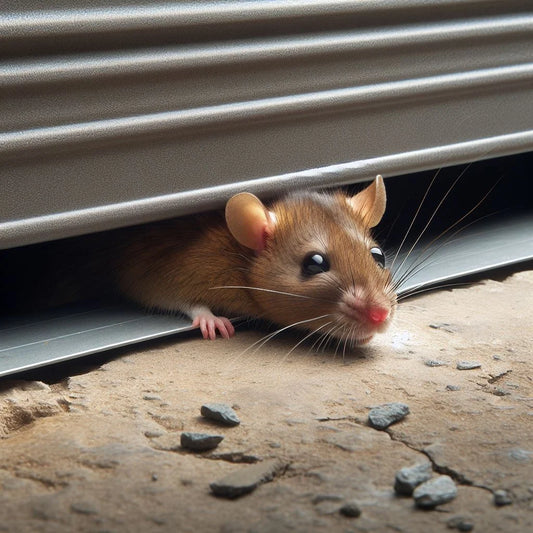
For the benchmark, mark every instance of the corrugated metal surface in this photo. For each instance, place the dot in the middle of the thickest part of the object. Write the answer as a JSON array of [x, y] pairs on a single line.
[[113, 114]]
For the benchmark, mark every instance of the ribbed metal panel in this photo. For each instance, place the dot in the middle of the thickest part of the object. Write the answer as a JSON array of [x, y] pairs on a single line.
[[112, 114], [115, 113]]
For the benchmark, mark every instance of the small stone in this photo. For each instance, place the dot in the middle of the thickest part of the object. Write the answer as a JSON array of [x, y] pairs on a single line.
[[435, 492], [453, 387], [502, 497], [220, 413], [468, 365], [497, 391], [350, 509], [200, 442], [382, 416], [409, 477], [444, 326], [435, 362], [247, 479], [152, 397], [461, 523]]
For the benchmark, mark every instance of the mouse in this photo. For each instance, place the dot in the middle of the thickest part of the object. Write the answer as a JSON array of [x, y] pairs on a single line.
[[305, 260]]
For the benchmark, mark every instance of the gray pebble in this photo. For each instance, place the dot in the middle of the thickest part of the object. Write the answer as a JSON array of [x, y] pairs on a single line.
[[199, 442], [435, 492], [152, 397], [435, 362], [246, 479], [461, 523], [453, 387], [220, 413], [468, 365], [444, 326], [409, 477], [382, 416], [350, 509], [502, 497]]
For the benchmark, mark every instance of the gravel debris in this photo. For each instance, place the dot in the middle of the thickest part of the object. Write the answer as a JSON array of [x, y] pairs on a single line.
[[247, 479], [200, 442], [382, 416], [450, 328], [220, 413], [409, 477], [461, 523], [468, 365], [434, 362], [350, 509], [502, 497], [435, 492], [453, 387]]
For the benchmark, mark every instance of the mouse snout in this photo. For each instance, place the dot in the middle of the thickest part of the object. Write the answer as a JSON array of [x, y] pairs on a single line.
[[357, 305], [377, 315]]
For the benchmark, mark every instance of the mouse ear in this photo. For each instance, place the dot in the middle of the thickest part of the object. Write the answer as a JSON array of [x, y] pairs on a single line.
[[370, 202], [249, 221]]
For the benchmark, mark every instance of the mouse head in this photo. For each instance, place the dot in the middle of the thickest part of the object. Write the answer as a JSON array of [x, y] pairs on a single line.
[[315, 264]]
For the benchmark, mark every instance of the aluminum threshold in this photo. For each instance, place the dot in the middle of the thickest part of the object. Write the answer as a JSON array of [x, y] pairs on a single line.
[[32, 342]]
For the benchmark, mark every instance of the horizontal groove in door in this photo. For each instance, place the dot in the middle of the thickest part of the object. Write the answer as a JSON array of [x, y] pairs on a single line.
[[193, 14], [42, 140], [26, 72], [59, 225]]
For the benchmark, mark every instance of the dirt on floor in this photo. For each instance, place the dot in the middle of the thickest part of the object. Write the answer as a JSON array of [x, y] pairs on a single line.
[[95, 447]]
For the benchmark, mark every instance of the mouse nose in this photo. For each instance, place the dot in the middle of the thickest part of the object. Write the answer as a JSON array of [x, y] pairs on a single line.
[[377, 315]]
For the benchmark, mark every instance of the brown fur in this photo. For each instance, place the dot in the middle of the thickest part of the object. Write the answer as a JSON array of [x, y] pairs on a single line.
[[176, 264]]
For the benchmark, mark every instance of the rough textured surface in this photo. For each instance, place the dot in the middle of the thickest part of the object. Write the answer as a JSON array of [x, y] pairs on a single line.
[[95, 445], [200, 441], [435, 492], [409, 477], [382, 416], [220, 412], [246, 479]]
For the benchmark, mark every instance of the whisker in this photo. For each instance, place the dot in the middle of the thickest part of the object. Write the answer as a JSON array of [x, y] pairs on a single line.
[[409, 273], [314, 332], [421, 289], [283, 293], [421, 203], [439, 205], [261, 342]]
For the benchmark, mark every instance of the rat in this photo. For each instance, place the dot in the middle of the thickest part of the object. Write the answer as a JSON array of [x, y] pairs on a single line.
[[307, 260]]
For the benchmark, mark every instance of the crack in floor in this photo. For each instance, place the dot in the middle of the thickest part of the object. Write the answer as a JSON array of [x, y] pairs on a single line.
[[459, 478]]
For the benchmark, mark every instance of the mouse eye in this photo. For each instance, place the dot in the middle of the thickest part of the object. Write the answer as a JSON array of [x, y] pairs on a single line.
[[378, 255], [314, 263]]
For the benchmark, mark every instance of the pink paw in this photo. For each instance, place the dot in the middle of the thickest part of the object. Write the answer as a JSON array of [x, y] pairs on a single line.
[[209, 324]]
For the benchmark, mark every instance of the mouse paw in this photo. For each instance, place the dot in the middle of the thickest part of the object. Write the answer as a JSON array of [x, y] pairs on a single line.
[[209, 324]]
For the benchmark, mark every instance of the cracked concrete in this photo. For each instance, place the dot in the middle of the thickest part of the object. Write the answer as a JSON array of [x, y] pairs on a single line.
[[94, 446]]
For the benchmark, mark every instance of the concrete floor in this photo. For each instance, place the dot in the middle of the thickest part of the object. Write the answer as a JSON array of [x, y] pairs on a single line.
[[96, 448]]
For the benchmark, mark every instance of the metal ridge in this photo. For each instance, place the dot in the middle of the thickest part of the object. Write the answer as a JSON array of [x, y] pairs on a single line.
[[38, 141], [59, 225], [21, 73], [52, 23]]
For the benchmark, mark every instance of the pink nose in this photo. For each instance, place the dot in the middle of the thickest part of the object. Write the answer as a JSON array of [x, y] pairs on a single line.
[[377, 315]]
